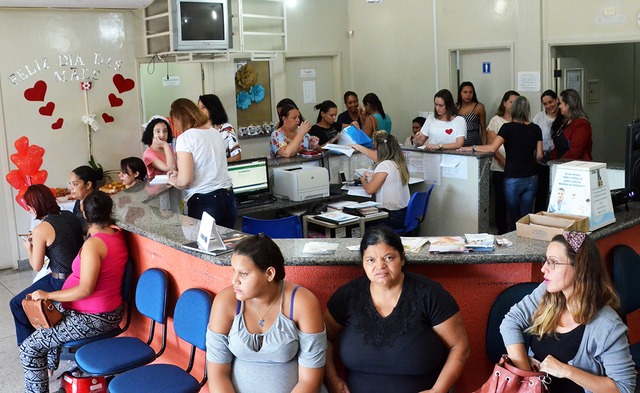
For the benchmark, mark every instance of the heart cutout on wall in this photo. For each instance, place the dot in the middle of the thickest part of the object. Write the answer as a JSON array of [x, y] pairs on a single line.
[[107, 118], [123, 84], [37, 92], [449, 131], [47, 110], [58, 124], [114, 100]]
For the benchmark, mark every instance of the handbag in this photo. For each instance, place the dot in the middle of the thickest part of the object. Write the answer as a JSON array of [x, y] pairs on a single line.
[[77, 384], [41, 313], [507, 378]]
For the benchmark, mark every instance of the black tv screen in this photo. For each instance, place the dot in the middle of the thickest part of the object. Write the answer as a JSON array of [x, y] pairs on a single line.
[[202, 21]]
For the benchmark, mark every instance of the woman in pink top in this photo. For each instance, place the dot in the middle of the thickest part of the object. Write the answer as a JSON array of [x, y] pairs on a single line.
[[159, 156], [90, 298]]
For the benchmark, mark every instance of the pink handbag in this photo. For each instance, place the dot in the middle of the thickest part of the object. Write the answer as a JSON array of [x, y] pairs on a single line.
[[507, 378]]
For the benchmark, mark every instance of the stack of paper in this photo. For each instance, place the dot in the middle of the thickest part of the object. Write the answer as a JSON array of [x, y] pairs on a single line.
[[413, 244], [319, 248], [481, 242], [346, 150], [447, 244], [337, 217]]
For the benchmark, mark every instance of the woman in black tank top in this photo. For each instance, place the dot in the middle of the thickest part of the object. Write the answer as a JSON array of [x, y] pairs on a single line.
[[58, 237]]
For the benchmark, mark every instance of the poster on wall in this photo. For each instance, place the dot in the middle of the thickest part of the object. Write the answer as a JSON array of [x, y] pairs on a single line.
[[253, 98]]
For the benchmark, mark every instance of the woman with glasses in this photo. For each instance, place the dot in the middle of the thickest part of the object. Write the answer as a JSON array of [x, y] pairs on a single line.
[[576, 335]]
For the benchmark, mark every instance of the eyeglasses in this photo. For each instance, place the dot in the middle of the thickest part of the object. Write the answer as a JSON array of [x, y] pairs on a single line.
[[552, 264]]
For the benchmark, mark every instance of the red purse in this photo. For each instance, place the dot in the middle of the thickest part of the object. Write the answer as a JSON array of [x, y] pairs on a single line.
[[41, 313], [74, 384], [507, 378]]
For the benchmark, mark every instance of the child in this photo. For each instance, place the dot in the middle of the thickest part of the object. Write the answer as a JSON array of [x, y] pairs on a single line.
[[416, 126], [159, 157], [132, 171]]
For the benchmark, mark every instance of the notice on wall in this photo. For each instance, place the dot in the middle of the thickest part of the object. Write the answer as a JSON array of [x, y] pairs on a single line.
[[528, 81], [171, 81], [309, 92], [454, 167], [307, 73]]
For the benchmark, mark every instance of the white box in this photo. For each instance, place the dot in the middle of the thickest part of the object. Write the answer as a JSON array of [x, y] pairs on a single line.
[[581, 188]]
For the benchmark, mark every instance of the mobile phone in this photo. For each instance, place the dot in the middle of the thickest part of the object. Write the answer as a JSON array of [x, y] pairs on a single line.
[[24, 236], [343, 177]]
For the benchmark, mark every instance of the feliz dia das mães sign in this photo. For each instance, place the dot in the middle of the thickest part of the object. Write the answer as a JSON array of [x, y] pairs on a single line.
[[78, 69]]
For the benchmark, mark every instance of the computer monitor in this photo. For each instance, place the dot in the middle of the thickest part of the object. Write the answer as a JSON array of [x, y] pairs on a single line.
[[249, 177]]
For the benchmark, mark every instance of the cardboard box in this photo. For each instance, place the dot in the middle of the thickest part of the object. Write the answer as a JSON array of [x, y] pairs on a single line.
[[542, 227], [581, 222]]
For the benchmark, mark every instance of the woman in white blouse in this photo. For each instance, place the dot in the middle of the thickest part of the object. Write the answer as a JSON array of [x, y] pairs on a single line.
[[444, 130]]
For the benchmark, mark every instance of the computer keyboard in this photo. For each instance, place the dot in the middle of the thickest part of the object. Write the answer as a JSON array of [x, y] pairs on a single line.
[[254, 202]]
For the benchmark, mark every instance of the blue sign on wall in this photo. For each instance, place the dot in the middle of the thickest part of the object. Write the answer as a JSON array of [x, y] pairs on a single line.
[[486, 67]]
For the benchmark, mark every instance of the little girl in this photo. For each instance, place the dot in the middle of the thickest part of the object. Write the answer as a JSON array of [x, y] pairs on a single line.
[[132, 171], [159, 157]]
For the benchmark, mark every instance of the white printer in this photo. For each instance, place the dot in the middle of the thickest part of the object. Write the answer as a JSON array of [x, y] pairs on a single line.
[[301, 183]]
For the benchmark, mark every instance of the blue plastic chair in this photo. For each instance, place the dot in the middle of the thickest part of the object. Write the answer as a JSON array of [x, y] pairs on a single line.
[[626, 270], [115, 355], [190, 320], [416, 211], [501, 306], [69, 348], [281, 228]]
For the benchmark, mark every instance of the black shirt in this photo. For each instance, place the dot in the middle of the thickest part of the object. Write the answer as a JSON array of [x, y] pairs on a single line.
[[325, 134], [564, 347], [520, 143]]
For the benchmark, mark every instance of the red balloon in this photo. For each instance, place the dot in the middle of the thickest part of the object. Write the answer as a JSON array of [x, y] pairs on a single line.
[[35, 150], [16, 180], [20, 198], [22, 144], [27, 165], [39, 177]]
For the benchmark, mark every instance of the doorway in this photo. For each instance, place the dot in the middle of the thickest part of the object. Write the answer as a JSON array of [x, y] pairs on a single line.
[[609, 90], [489, 69], [311, 80]]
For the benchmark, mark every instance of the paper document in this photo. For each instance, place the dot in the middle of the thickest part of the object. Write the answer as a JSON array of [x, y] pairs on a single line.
[[160, 179], [320, 248], [346, 150]]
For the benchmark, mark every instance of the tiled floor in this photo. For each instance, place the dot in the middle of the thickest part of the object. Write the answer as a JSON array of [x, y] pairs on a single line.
[[12, 282]]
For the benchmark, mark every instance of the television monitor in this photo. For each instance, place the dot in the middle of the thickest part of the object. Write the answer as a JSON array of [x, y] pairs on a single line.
[[250, 177], [201, 25], [632, 156]]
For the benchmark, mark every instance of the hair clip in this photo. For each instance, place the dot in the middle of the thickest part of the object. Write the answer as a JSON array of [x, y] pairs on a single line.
[[574, 239]]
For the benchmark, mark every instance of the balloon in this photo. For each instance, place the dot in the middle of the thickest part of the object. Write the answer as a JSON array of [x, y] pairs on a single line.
[[16, 180], [39, 177], [20, 198], [35, 150], [27, 165], [22, 144]]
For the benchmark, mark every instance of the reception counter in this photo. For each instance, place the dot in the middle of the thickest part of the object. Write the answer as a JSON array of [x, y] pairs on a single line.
[[155, 239]]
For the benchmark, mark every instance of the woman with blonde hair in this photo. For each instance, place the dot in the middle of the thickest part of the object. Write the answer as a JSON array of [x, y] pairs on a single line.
[[202, 160], [576, 335], [390, 179]]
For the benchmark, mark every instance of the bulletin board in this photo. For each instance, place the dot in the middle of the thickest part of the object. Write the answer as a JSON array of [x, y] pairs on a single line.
[[253, 93]]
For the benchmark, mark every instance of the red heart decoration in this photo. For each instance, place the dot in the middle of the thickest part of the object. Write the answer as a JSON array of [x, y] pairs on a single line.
[[58, 124], [449, 131], [16, 180], [35, 150], [114, 100], [47, 110], [107, 118], [20, 198], [27, 165], [123, 84], [38, 178], [22, 145], [37, 92]]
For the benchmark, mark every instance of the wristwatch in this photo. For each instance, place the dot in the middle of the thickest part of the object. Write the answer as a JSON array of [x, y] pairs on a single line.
[[473, 148], [440, 146]]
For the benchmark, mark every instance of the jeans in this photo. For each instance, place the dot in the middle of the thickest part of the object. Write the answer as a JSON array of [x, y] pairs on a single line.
[[220, 204], [23, 326], [520, 193]]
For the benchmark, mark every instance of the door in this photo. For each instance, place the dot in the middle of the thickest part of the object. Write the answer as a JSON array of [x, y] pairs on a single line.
[[309, 81], [9, 241], [167, 83], [490, 70]]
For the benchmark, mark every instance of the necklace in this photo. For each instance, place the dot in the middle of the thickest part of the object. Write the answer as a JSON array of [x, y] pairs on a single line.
[[261, 321]]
